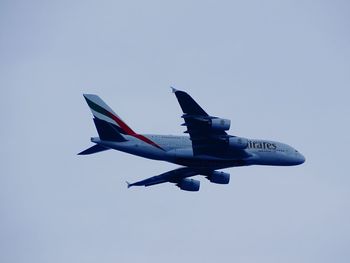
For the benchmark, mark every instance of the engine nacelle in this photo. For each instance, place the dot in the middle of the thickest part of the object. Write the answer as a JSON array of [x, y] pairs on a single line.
[[189, 185], [238, 142], [220, 124], [219, 177]]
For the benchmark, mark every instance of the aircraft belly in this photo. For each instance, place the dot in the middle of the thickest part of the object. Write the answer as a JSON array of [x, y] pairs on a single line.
[[263, 157], [182, 152], [185, 157], [209, 163]]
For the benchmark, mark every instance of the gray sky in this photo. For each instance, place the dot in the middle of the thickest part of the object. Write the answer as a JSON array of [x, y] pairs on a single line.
[[278, 69]]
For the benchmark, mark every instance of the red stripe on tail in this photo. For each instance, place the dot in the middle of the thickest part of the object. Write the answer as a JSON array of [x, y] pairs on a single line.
[[129, 131]]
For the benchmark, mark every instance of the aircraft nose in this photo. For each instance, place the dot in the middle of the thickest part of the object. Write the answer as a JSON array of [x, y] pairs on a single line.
[[301, 158]]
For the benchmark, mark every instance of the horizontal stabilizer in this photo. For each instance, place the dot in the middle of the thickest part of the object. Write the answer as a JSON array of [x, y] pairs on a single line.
[[94, 149]]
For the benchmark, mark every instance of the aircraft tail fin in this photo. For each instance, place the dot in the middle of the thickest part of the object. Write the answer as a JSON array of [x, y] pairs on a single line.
[[109, 125], [108, 132], [102, 112]]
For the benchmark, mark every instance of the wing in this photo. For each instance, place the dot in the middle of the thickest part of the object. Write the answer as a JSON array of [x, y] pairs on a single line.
[[206, 132], [177, 176]]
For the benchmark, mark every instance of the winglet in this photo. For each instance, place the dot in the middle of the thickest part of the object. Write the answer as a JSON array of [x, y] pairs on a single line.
[[129, 184], [173, 89]]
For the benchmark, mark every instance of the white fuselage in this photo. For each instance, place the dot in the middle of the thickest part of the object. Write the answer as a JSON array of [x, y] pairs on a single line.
[[178, 150]]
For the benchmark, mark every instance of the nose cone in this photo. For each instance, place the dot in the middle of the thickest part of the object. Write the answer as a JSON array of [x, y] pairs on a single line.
[[300, 159]]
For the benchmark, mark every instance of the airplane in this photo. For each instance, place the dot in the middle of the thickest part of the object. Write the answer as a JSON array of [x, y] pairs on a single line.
[[207, 149]]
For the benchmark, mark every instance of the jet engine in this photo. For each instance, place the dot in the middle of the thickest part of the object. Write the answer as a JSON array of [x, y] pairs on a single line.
[[219, 177], [189, 185], [220, 124], [238, 142]]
